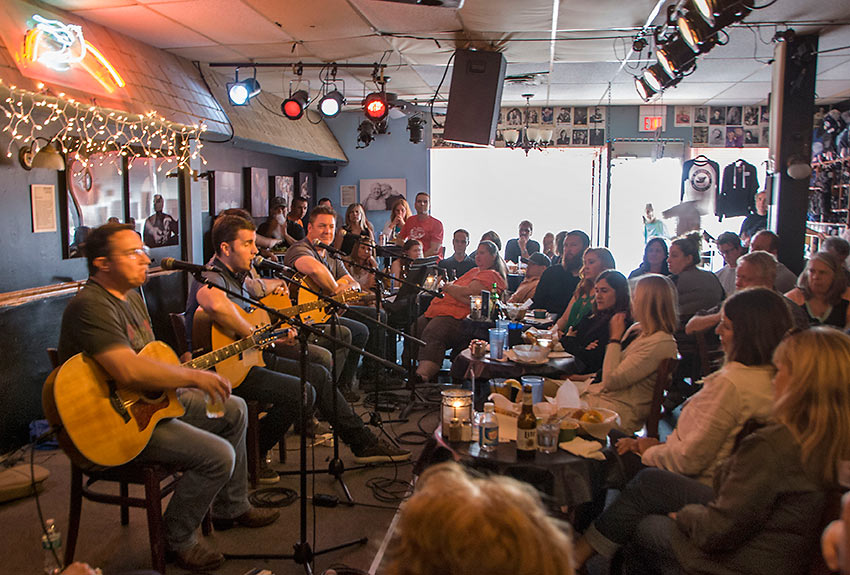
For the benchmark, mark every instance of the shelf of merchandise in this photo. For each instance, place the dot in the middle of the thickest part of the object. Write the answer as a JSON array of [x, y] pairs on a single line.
[[843, 193]]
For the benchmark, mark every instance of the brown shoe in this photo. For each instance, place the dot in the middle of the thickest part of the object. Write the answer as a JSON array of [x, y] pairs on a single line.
[[253, 518], [199, 557]]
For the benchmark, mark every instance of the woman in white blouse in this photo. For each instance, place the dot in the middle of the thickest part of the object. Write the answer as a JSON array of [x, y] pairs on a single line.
[[752, 323], [632, 355]]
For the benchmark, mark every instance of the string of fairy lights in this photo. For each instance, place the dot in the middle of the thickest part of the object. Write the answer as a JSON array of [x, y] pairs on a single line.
[[87, 133]]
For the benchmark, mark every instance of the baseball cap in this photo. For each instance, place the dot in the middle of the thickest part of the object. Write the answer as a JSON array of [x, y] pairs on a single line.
[[278, 202], [537, 258]]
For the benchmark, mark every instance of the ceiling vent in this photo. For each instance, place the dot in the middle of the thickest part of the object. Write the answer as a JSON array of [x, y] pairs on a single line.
[[456, 4]]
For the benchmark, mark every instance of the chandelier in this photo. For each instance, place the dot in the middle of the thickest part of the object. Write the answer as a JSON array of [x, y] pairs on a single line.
[[528, 138]]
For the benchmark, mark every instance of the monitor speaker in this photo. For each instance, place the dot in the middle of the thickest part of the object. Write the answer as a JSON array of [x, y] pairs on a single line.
[[475, 97]]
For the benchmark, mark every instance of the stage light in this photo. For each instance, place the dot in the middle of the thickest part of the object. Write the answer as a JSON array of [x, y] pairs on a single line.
[[676, 57], [644, 90], [375, 106], [721, 13], [415, 125], [657, 78], [696, 32], [365, 133], [294, 106], [240, 93], [331, 104]]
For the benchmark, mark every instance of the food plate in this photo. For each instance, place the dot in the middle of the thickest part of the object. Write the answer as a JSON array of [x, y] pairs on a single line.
[[559, 354], [509, 354]]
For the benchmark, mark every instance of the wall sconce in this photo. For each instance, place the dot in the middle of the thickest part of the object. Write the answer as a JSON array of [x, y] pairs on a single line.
[[48, 156]]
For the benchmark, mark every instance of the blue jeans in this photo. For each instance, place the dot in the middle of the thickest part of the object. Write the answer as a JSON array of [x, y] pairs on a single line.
[[653, 492], [359, 338], [651, 551], [211, 455]]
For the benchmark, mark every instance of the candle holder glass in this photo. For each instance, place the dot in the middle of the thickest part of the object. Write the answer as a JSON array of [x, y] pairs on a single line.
[[456, 404]]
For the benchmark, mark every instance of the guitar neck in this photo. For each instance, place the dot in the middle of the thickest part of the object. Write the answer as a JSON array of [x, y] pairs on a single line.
[[312, 305], [208, 360]]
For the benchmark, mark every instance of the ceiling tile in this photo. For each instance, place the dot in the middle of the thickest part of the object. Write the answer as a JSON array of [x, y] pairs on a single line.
[[225, 21], [314, 20], [145, 25], [408, 18]]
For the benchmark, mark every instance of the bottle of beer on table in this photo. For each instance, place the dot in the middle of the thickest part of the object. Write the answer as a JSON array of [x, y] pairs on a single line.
[[526, 426], [494, 303]]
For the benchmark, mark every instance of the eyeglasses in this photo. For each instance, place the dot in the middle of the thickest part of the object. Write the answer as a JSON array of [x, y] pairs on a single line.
[[137, 253]]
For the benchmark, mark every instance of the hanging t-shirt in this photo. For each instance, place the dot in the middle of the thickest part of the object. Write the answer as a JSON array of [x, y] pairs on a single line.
[[699, 182], [738, 190]]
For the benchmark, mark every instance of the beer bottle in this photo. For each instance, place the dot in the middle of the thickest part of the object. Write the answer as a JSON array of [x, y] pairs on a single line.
[[494, 303], [526, 426]]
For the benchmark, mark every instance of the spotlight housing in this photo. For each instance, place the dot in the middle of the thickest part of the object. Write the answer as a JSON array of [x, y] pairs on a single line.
[[721, 13], [331, 103], [676, 57], [366, 132], [644, 90], [375, 106], [240, 93], [415, 125], [657, 78], [293, 107], [695, 31]]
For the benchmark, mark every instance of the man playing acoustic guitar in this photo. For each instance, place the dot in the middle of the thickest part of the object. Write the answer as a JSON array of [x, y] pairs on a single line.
[[234, 241], [108, 321]]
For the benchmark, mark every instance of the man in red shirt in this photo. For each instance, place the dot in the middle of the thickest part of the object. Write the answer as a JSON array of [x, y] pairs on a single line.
[[423, 227]]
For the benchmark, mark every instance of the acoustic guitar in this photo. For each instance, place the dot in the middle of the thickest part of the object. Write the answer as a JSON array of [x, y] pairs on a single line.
[[206, 334], [318, 313], [104, 426]]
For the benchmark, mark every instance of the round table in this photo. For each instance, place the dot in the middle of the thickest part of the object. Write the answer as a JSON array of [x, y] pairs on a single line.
[[571, 476], [487, 368]]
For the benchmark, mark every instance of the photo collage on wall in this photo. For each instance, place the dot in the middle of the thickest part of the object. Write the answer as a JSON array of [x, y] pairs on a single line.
[[726, 126], [571, 126]]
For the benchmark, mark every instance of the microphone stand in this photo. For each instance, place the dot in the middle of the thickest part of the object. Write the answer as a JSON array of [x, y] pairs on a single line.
[[336, 467], [415, 398], [302, 554]]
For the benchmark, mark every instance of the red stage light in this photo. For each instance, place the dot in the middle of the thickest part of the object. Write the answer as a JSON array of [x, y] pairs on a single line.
[[375, 106]]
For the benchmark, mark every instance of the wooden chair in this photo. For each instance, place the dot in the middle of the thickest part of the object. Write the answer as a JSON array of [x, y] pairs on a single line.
[[158, 482], [663, 378]]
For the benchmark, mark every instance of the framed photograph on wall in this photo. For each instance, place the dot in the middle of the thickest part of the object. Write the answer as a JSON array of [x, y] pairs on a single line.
[[257, 182], [700, 135], [307, 185], [347, 195], [378, 195], [683, 116], [225, 191], [565, 116], [751, 136], [700, 115], [283, 187]]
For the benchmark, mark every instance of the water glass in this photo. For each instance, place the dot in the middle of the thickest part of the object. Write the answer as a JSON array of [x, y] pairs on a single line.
[[536, 383], [547, 436], [214, 406], [505, 325], [498, 338]]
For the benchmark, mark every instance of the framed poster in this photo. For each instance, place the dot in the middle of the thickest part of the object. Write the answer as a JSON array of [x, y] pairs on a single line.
[[378, 195], [700, 116], [43, 208], [257, 181], [283, 187], [225, 191], [347, 195], [683, 116]]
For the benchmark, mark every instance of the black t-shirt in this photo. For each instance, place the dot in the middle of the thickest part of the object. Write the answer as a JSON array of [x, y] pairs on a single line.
[[460, 267], [295, 229], [224, 278], [752, 224], [555, 289], [513, 252], [95, 321]]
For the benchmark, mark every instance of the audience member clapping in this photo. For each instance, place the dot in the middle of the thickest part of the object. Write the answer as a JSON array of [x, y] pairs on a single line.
[[822, 291], [763, 515], [654, 259], [752, 324], [697, 289], [632, 355], [457, 524], [442, 326], [594, 262], [588, 340]]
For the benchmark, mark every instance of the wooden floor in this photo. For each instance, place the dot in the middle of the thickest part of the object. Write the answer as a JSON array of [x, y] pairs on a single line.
[[106, 544]]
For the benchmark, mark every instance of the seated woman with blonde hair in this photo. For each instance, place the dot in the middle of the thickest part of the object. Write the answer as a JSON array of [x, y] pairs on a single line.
[[632, 355], [457, 524], [762, 516]]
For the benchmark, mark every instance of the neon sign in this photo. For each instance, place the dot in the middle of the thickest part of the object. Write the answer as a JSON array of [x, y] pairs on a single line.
[[61, 47]]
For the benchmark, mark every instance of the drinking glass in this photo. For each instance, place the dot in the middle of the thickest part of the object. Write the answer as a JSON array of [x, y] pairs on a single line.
[[547, 436], [498, 338], [214, 406]]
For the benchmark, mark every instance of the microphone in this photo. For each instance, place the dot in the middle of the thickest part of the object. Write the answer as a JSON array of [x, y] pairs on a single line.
[[324, 246], [262, 263], [173, 264]]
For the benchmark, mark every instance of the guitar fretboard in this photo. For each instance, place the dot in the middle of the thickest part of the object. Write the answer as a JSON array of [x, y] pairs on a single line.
[[210, 359]]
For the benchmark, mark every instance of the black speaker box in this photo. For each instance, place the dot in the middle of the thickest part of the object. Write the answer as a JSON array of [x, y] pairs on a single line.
[[475, 97], [328, 170]]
